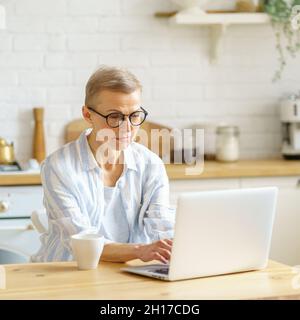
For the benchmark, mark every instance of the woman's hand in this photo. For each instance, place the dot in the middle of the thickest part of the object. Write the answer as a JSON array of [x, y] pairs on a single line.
[[159, 250]]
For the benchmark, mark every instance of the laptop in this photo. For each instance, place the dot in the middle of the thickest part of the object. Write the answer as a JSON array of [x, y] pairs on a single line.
[[218, 232]]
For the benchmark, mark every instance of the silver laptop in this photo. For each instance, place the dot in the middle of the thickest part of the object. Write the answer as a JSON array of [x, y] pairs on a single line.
[[218, 232]]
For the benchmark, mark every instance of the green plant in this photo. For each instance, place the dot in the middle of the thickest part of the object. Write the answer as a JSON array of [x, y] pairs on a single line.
[[287, 38]]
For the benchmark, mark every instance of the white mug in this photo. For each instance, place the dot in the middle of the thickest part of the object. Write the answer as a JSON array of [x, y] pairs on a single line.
[[87, 249]]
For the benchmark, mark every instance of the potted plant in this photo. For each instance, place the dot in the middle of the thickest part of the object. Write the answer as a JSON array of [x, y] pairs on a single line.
[[285, 18]]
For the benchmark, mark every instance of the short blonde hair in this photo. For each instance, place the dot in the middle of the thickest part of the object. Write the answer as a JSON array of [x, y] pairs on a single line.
[[110, 78]]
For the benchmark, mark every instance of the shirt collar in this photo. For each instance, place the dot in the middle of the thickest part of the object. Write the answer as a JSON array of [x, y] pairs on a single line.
[[87, 159], [129, 158]]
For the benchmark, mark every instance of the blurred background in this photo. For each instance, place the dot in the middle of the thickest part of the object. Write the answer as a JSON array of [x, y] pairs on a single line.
[[49, 49]]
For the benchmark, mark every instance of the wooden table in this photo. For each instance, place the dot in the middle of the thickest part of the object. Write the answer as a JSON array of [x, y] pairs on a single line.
[[62, 280]]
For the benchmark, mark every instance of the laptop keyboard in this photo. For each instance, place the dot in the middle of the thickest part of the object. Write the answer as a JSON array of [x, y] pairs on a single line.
[[162, 270]]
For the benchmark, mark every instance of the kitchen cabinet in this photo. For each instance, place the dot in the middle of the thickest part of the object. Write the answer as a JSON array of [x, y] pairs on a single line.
[[286, 232], [178, 186], [285, 246], [18, 239]]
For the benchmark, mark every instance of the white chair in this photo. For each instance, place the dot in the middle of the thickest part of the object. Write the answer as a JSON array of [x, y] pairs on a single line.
[[39, 221]]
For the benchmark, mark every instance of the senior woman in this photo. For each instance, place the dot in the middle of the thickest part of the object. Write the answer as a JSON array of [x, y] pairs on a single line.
[[121, 193]]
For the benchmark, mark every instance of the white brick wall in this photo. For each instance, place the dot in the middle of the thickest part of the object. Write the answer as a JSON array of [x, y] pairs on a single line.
[[51, 47]]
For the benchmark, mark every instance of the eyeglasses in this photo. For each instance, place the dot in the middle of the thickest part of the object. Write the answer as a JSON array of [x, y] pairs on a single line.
[[115, 119]]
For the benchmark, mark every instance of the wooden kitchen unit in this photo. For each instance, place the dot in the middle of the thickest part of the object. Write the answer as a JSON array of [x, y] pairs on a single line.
[[242, 174], [241, 168], [62, 280], [19, 179], [212, 169]]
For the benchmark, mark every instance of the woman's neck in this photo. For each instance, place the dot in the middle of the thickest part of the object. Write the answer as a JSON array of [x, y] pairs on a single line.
[[108, 162]]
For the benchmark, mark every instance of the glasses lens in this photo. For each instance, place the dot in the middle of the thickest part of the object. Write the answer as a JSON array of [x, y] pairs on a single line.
[[115, 120], [137, 118]]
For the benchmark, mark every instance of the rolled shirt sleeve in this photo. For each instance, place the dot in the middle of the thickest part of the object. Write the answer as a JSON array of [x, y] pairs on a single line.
[[65, 217]]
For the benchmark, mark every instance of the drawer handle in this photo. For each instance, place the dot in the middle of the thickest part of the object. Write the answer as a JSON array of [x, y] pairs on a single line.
[[4, 206]]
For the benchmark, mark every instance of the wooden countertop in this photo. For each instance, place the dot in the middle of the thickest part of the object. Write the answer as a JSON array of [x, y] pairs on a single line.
[[62, 280], [212, 169], [19, 179], [242, 168]]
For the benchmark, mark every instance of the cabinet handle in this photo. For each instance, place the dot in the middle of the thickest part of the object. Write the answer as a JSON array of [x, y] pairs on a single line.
[[4, 206]]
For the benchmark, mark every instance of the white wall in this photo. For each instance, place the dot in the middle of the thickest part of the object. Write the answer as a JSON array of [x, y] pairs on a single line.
[[50, 48]]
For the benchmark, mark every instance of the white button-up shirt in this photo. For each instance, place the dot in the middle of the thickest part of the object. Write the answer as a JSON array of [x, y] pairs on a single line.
[[74, 197]]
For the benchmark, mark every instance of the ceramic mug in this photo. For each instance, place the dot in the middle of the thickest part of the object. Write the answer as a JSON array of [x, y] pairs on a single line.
[[87, 249]]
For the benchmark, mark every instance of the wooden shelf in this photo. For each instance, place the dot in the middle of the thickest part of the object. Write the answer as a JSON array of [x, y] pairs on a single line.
[[220, 19], [218, 23]]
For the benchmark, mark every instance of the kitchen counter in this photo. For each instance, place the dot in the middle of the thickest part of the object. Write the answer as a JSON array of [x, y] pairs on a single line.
[[19, 178], [242, 168], [62, 280], [212, 169]]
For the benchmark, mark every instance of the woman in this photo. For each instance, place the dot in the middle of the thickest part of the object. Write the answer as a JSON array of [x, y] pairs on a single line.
[[106, 183]]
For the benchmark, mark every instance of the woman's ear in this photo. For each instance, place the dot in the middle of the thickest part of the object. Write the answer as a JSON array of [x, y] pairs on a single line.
[[86, 114]]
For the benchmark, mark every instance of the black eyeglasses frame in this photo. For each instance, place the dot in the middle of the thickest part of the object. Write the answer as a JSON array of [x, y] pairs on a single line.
[[124, 115]]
